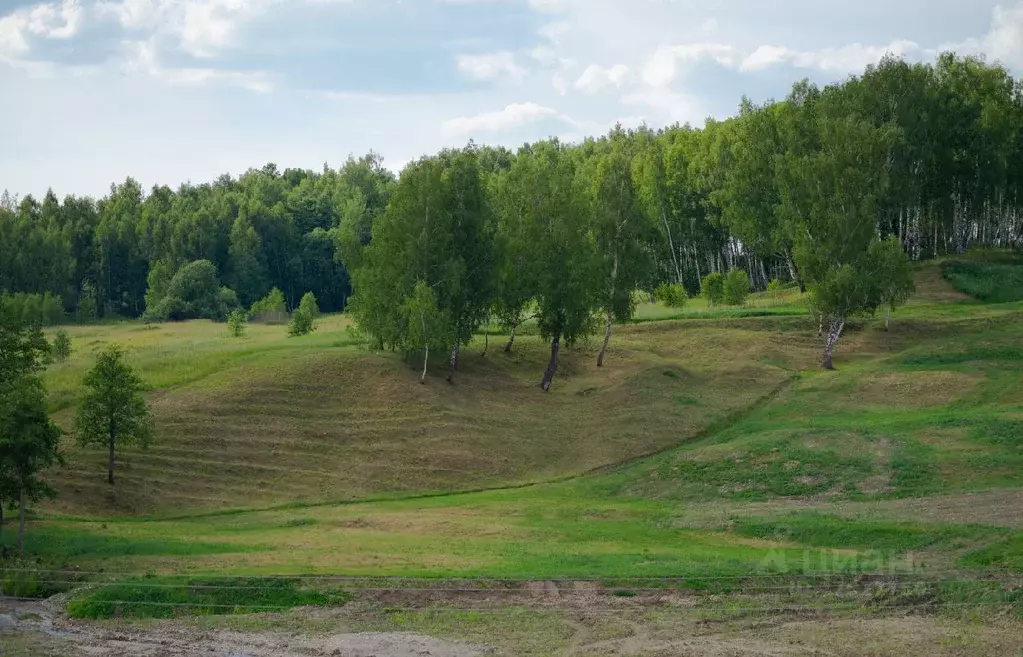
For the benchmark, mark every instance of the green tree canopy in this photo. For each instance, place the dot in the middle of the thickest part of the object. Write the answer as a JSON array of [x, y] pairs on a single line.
[[113, 411]]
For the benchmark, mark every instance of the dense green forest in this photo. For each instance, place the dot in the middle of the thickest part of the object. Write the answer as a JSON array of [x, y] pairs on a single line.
[[929, 155]]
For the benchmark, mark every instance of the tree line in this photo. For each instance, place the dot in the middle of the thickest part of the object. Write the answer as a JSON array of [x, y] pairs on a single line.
[[826, 188]]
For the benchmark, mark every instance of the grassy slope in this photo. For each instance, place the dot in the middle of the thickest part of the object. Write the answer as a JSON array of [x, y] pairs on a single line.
[[270, 420], [821, 476]]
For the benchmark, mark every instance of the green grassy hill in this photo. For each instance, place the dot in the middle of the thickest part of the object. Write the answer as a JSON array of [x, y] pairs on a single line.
[[710, 446]]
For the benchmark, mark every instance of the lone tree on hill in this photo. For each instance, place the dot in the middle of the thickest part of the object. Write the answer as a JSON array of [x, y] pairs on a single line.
[[113, 412]]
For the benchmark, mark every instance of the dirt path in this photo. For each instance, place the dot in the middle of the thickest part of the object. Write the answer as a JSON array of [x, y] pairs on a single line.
[[574, 625], [42, 628]]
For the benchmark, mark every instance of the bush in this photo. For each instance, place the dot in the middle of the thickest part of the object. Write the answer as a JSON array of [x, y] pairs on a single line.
[[193, 293], [61, 346], [737, 287], [301, 323], [673, 295], [271, 306], [309, 305], [712, 288], [236, 323], [774, 287]]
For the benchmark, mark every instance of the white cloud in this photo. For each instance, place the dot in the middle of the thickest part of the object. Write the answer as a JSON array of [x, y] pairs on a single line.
[[12, 39], [512, 116], [202, 28], [491, 66], [765, 57], [851, 58], [545, 55], [140, 57], [55, 21], [1004, 41], [135, 14], [559, 84], [662, 68], [596, 78], [674, 105], [47, 20]]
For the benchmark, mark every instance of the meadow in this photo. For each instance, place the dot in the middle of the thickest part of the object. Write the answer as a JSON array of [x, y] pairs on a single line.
[[710, 455]]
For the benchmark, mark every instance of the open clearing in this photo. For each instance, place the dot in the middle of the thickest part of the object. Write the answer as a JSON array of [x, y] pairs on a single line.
[[709, 450]]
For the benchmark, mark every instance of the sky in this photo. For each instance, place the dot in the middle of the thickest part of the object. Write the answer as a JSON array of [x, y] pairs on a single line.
[[169, 91]]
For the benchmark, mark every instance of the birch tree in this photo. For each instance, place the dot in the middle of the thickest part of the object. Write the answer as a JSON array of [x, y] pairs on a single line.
[[621, 237], [547, 195]]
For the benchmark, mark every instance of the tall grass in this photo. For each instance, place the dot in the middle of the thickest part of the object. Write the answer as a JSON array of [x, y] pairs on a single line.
[[993, 282]]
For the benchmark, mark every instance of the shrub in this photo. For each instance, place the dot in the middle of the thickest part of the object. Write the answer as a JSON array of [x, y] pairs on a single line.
[[193, 293], [774, 287], [236, 323], [308, 304], [61, 346], [301, 323], [736, 287], [672, 295], [270, 307], [712, 288]]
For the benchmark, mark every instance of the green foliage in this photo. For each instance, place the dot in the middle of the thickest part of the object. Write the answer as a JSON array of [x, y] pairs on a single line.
[[736, 287], [61, 346], [87, 308], [438, 229], [622, 230], [271, 304], [301, 323], [309, 306], [158, 280], [237, 322], [987, 281], [303, 320], [774, 287], [673, 295], [29, 441], [712, 288], [170, 597], [43, 309], [194, 292], [113, 411]]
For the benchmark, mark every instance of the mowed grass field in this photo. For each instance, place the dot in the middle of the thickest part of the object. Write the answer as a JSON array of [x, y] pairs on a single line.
[[710, 447]]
